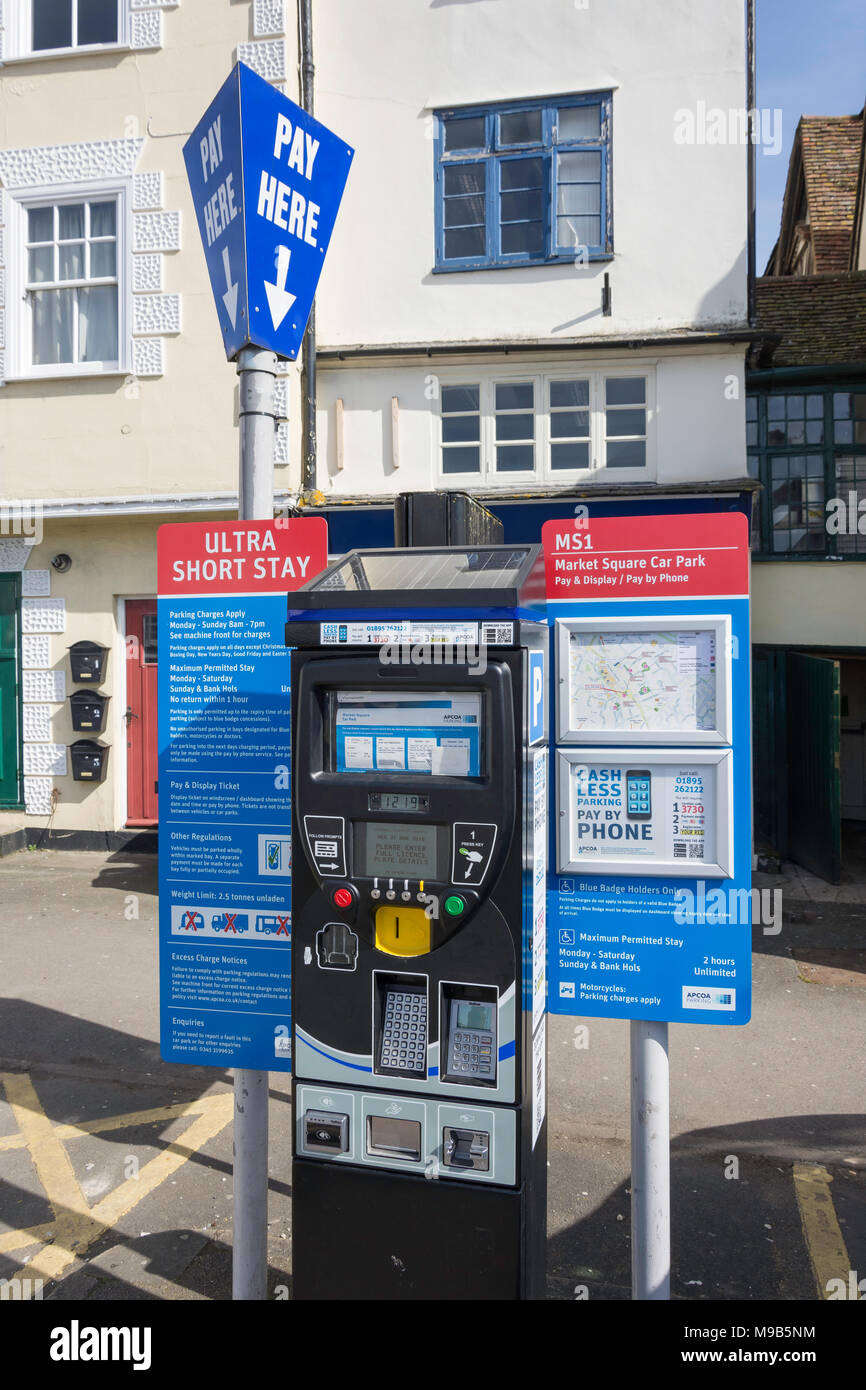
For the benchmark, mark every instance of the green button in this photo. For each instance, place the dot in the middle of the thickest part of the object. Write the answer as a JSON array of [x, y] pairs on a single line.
[[454, 905]]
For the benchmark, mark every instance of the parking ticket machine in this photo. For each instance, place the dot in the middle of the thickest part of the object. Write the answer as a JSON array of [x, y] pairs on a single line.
[[418, 911]]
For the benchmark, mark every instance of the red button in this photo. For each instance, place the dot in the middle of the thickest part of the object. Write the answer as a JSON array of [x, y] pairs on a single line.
[[343, 897]]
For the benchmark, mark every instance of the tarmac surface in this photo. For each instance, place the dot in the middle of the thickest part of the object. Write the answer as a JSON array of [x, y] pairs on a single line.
[[116, 1168]]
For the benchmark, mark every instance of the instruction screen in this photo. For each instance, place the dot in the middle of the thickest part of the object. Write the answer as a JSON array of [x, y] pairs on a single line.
[[436, 734]]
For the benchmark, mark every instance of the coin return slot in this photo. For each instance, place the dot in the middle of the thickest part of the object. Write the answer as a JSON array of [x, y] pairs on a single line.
[[390, 1138]]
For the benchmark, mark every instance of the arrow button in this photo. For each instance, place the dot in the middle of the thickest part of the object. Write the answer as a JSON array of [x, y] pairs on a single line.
[[280, 300]]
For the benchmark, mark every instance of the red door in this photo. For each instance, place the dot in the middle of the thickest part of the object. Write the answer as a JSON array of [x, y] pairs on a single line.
[[141, 757]]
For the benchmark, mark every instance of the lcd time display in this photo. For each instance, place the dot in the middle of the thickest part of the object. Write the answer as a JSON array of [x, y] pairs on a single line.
[[400, 851], [397, 801]]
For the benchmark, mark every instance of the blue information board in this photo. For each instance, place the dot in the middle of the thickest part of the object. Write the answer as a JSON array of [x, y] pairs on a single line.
[[224, 787], [649, 904]]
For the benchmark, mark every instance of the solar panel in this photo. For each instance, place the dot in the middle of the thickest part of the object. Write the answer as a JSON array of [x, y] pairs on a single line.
[[484, 574]]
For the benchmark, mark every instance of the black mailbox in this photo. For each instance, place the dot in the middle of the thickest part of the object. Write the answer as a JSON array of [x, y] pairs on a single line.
[[88, 709], [89, 760], [87, 660]]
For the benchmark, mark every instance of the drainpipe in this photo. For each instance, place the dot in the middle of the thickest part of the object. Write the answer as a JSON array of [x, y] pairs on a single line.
[[752, 151], [308, 373]]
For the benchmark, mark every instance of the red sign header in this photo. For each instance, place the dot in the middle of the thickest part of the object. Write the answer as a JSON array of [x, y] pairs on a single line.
[[690, 555], [240, 557]]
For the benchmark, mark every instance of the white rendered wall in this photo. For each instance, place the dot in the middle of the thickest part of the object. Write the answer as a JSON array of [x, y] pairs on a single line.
[[698, 417], [808, 603], [679, 210]]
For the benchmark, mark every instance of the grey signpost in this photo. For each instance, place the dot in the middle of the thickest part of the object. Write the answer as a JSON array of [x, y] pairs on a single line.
[[256, 374], [266, 180]]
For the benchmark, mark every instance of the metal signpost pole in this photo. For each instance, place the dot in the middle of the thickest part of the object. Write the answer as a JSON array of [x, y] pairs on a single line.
[[263, 272], [256, 373], [650, 1161]]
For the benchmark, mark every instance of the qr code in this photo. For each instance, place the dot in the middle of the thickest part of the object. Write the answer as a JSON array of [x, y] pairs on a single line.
[[696, 851], [497, 633]]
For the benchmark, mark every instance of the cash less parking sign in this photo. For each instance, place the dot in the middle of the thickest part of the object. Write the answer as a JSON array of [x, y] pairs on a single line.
[[224, 717]]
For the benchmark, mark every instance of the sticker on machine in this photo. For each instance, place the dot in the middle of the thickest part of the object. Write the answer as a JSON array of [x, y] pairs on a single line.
[[362, 634], [497, 634], [539, 886], [539, 1079], [348, 634]]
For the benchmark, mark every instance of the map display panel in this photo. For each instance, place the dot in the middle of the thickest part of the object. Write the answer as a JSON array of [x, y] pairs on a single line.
[[665, 681], [643, 680]]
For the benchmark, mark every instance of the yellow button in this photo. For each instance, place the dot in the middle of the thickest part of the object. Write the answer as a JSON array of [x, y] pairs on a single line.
[[403, 931]]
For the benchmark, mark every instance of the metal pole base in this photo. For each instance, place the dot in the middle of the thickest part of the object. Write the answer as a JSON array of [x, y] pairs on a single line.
[[650, 1162], [250, 1218]]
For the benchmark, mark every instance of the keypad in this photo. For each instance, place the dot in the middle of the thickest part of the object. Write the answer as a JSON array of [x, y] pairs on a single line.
[[404, 1032], [472, 1054]]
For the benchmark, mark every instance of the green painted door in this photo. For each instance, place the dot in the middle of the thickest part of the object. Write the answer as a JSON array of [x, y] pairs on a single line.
[[814, 783], [10, 738]]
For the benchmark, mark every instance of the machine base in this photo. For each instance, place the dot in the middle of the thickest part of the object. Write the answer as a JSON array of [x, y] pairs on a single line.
[[368, 1234]]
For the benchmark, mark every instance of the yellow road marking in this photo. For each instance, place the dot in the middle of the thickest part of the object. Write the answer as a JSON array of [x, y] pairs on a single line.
[[160, 1114], [824, 1240], [28, 1235], [53, 1168], [77, 1225]]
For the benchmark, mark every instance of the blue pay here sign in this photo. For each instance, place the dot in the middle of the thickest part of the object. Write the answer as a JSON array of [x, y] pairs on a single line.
[[266, 180]]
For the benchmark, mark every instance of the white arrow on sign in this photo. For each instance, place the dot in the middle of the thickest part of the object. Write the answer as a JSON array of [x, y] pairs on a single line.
[[280, 300], [230, 298]]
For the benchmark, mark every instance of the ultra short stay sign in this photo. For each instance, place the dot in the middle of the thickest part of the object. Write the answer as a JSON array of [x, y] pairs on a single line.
[[225, 858], [266, 180]]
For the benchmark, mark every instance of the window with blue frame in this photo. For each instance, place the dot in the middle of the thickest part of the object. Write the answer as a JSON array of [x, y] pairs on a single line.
[[523, 182]]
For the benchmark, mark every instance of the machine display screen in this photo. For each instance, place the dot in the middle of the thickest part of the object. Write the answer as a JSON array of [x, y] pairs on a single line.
[[398, 801], [436, 733], [400, 851], [476, 1016]]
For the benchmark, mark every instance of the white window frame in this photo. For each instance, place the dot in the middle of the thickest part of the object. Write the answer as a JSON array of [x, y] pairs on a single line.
[[603, 409], [20, 34], [489, 479], [21, 366], [521, 475]]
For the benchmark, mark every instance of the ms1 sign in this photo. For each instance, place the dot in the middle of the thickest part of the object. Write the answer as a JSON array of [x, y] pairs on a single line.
[[266, 180]]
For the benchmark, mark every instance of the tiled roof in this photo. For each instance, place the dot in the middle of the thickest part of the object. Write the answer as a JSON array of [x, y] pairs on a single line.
[[831, 161], [821, 318]]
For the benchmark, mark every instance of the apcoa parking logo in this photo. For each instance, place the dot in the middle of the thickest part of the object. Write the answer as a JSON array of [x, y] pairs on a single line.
[[707, 998]]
